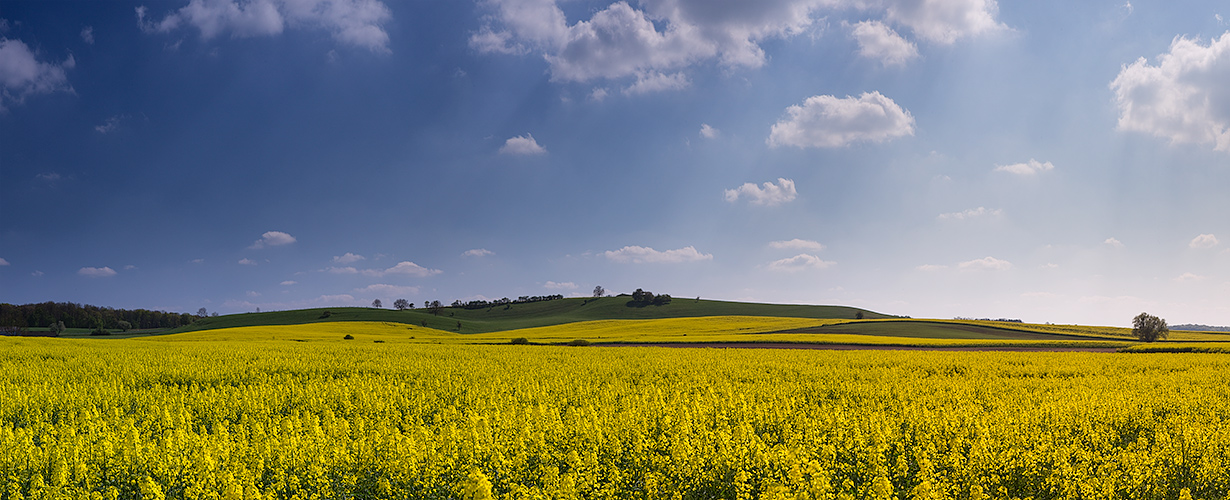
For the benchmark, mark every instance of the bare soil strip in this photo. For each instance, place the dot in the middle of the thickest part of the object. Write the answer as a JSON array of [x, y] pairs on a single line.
[[855, 347]]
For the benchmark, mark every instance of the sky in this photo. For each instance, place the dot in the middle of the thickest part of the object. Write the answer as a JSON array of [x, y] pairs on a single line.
[[1051, 161]]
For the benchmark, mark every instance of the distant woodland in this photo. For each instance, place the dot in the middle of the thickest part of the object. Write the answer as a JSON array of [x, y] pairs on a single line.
[[87, 316]]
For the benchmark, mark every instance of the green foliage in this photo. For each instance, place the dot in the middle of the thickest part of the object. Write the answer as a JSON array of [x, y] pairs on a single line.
[[1149, 328], [578, 343], [519, 341], [348, 337]]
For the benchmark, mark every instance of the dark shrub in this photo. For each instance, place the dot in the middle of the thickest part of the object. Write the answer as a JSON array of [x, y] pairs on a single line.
[[520, 341]]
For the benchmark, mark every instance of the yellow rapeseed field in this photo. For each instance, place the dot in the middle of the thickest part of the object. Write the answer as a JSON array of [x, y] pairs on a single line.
[[359, 419]]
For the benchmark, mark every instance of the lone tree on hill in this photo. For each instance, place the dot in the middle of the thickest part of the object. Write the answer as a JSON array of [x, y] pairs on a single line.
[[401, 304], [599, 291], [377, 304], [1148, 327]]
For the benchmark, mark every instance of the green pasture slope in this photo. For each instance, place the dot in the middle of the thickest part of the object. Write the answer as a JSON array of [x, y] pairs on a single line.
[[545, 313]]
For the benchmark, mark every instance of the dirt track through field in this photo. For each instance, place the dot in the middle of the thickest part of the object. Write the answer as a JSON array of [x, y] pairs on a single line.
[[856, 347]]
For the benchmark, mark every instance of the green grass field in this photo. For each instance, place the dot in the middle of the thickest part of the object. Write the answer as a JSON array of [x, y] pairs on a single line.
[[536, 314]]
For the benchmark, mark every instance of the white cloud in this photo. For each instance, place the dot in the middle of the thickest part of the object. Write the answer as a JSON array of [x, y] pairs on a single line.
[[567, 285], [1189, 277], [824, 121], [129, 267], [1184, 98], [342, 270], [800, 262], [1203, 241], [109, 126], [771, 194], [273, 239], [3, 262], [971, 214], [36, 273], [247, 262], [797, 244], [289, 283], [522, 145], [348, 258], [708, 132], [197, 261], [931, 267], [1030, 167], [252, 293], [878, 41], [405, 267], [388, 290], [477, 252], [96, 272], [639, 255], [657, 82], [1113, 242], [48, 176], [87, 35], [354, 22], [670, 36], [1049, 265], [22, 74], [944, 21], [985, 264], [598, 94]]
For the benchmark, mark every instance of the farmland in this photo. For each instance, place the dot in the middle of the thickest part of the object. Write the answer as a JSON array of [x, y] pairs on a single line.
[[328, 418]]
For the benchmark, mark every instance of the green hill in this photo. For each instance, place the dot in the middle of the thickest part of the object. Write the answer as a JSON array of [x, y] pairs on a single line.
[[545, 313]]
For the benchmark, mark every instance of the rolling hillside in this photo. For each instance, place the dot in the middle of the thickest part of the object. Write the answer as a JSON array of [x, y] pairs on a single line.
[[534, 314]]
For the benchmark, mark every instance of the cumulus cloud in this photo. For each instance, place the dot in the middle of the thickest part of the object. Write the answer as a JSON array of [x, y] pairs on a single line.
[[247, 262], [388, 290], [348, 258], [87, 35], [407, 268], [797, 244], [1184, 98], [658, 82], [640, 255], [971, 213], [3, 262], [1031, 167], [522, 145], [800, 262], [878, 41], [931, 267], [273, 239], [944, 21], [1113, 242], [669, 36], [985, 264], [96, 272], [359, 23], [477, 252], [1203, 241], [825, 121], [23, 75], [598, 94], [289, 283], [708, 132], [770, 194], [567, 285], [1189, 277]]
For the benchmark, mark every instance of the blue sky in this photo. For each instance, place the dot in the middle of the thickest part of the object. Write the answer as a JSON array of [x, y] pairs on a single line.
[[1050, 161]]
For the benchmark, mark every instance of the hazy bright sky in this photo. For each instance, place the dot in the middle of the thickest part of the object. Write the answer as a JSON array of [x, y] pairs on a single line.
[[1051, 161]]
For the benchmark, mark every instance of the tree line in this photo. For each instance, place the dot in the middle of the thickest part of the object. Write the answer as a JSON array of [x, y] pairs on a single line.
[[87, 316]]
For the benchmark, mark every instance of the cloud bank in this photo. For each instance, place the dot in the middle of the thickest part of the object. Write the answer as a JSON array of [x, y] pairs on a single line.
[[359, 23], [825, 121], [641, 255], [770, 194]]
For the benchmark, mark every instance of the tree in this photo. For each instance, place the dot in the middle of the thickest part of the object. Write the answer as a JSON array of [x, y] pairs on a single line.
[[599, 291], [401, 304], [1148, 327], [202, 313], [377, 304], [435, 307], [858, 315], [124, 325]]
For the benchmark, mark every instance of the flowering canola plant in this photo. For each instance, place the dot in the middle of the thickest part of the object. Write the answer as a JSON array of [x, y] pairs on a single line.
[[280, 419]]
